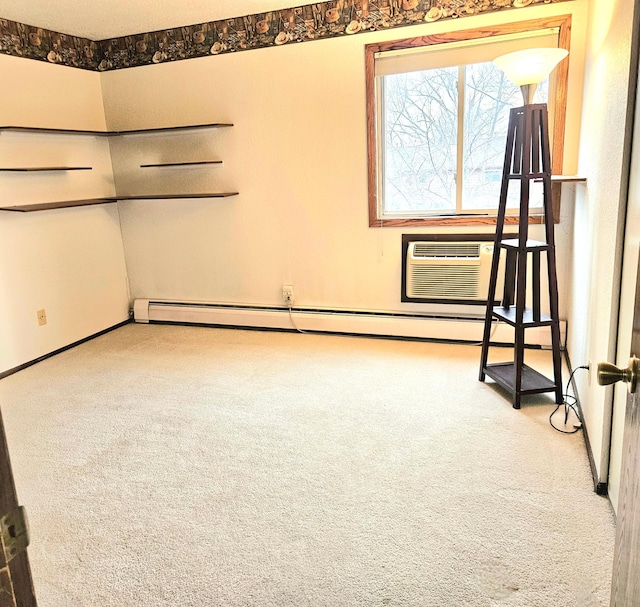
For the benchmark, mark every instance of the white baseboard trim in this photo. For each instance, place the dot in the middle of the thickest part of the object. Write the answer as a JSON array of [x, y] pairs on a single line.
[[334, 321]]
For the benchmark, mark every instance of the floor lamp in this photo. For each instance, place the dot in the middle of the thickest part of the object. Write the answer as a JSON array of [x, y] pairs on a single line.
[[527, 159]]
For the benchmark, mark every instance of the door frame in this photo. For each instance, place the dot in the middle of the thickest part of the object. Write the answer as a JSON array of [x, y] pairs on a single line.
[[16, 586]]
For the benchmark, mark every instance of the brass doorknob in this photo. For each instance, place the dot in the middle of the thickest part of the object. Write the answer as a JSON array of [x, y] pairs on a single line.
[[610, 374]]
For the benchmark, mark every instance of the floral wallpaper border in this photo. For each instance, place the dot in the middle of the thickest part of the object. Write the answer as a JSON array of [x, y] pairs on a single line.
[[316, 21]]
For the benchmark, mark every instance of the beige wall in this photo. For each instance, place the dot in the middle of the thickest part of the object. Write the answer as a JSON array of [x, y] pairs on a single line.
[[297, 155], [41, 94], [69, 262], [599, 214]]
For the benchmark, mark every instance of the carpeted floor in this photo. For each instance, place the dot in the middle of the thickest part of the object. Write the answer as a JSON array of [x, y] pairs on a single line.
[[188, 466]]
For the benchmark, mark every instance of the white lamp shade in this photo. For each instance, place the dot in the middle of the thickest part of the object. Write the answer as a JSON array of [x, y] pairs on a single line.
[[530, 66]]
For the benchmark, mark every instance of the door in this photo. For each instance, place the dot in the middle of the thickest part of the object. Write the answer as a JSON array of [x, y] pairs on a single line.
[[16, 587], [624, 463], [625, 585], [628, 278]]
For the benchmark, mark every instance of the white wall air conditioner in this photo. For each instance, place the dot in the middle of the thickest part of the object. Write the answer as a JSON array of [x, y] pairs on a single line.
[[449, 270]]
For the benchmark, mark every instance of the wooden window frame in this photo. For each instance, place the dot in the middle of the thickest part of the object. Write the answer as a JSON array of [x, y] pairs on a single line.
[[562, 22]]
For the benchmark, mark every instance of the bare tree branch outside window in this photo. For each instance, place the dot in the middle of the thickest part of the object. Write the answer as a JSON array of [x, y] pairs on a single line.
[[422, 135]]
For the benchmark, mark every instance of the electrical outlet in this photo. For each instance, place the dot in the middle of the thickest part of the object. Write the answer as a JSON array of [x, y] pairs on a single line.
[[287, 294], [42, 317]]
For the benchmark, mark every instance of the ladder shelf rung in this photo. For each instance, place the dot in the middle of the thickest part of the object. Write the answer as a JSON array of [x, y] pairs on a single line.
[[530, 245], [530, 176], [532, 381], [509, 315]]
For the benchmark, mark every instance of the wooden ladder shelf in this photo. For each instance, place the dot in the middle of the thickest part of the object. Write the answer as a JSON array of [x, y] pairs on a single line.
[[527, 159]]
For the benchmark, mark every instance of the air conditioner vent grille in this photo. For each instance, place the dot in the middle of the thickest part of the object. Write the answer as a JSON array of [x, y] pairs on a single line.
[[445, 281], [448, 270], [446, 249]]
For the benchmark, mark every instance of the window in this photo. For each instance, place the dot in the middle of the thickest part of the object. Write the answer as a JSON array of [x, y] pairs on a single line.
[[438, 111]]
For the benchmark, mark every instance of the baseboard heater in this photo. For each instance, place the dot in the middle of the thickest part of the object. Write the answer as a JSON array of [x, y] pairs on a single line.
[[359, 322]]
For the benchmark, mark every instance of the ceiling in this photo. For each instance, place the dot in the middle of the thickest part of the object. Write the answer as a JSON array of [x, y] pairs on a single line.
[[101, 19]]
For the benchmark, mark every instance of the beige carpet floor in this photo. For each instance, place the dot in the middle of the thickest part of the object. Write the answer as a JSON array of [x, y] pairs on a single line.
[[185, 466]]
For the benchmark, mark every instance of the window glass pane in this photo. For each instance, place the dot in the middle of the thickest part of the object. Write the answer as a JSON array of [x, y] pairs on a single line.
[[489, 96], [431, 153], [420, 125]]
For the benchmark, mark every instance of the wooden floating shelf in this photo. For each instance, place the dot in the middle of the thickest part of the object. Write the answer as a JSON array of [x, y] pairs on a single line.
[[538, 177], [39, 169], [33, 129], [176, 196], [567, 178], [564, 179], [165, 129], [180, 164], [65, 204]]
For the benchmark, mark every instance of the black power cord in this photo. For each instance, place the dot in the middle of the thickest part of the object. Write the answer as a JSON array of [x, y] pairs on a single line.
[[569, 403]]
